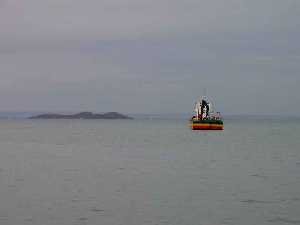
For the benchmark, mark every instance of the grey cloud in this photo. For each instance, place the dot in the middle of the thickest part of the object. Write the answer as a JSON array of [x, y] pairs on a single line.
[[148, 56], [73, 20]]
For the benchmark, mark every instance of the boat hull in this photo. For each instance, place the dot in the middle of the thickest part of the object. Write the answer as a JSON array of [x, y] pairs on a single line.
[[206, 125]]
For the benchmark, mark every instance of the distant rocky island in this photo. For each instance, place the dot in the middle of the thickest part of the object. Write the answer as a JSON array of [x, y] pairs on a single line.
[[82, 115]]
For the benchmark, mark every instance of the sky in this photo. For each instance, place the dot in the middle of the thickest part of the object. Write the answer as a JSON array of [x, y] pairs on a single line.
[[150, 56]]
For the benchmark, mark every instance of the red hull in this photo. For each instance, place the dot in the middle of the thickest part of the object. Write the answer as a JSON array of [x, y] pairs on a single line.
[[207, 127]]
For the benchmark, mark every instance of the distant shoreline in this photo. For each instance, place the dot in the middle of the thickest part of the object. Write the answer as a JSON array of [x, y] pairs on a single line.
[[183, 116], [81, 115]]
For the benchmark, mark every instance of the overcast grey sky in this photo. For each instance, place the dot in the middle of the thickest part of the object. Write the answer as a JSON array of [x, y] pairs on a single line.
[[150, 56]]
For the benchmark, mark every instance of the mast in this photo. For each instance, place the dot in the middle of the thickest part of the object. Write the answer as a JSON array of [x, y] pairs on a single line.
[[197, 109]]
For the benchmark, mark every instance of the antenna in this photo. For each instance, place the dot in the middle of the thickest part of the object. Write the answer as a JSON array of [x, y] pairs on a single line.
[[204, 92]]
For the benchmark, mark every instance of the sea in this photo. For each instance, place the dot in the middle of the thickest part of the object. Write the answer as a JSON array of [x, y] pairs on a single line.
[[149, 171]]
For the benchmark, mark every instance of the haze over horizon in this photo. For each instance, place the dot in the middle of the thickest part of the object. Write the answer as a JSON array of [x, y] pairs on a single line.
[[142, 56]]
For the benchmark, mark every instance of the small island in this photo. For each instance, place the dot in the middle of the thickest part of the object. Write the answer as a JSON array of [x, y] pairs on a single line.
[[82, 115]]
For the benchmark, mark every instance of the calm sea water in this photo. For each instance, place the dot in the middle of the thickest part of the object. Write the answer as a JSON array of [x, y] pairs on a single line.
[[139, 172]]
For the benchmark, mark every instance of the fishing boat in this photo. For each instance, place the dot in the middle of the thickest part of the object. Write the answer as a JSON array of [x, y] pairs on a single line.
[[205, 118]]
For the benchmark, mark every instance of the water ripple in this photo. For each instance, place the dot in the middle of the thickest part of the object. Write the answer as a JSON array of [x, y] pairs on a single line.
[[253, 201], [284, 220]]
